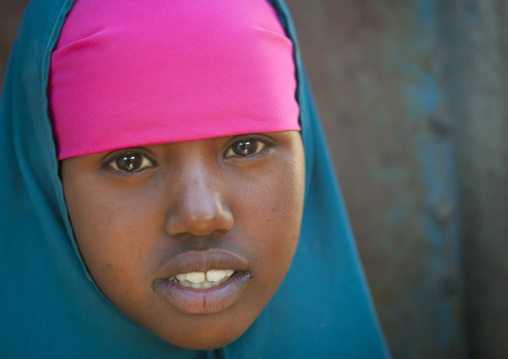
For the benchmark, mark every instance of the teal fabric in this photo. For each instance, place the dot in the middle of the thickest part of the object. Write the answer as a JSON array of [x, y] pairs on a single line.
[[50, 308]]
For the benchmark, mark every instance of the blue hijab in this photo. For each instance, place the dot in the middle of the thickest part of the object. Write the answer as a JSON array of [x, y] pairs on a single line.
[[50, 307]]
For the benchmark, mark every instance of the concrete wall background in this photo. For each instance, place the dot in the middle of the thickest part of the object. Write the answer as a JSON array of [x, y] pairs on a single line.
[[413, 97], [10, 16], [477, 40], [379, 73]]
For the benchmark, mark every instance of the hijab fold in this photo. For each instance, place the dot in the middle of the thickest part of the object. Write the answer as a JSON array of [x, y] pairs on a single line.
[[50, 308]]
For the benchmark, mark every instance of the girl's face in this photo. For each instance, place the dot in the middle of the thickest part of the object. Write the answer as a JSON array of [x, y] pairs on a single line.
[[190, 239]]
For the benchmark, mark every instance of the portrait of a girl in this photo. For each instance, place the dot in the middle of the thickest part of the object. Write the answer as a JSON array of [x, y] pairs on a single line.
[[167, 190]]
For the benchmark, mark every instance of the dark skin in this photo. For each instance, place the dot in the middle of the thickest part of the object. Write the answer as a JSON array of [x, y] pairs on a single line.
[[142, 215]]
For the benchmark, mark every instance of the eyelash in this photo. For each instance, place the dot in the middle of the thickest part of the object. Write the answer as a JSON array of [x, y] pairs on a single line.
[[265, 145], [112, 163], [146, 162]]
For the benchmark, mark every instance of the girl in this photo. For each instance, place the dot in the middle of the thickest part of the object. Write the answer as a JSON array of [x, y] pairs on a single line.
[[157, 188]]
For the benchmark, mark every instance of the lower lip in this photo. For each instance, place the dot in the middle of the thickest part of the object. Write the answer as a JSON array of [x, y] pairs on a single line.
[[203, 301]]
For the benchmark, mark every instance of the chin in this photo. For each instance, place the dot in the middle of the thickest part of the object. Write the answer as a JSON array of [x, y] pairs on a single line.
[[205, 338]]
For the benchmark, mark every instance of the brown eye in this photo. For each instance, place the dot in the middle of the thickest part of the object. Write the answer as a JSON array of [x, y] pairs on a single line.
[[246, 147], [130, 162]]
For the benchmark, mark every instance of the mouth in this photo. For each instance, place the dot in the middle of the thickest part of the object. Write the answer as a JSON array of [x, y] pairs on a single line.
[[195, 282], [203, 280]]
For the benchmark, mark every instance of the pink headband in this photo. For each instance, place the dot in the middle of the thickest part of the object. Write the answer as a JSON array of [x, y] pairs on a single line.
[[136, 73]]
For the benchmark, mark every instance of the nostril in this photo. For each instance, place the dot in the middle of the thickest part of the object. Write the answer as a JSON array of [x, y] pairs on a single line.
[[198, 226], [199, 220]]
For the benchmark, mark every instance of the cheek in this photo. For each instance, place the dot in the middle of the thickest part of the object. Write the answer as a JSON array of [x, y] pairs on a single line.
[[270, 213], [116, 232]]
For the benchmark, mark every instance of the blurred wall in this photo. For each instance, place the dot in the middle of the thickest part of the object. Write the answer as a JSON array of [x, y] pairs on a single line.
[[413, 96], [10, 16], [477, 43], [378, 69]]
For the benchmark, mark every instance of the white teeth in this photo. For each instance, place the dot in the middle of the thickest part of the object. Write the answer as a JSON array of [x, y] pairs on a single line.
[[228, 272], [181, 277], [215, 275], [195, 277], [202, 280], [207, 285]]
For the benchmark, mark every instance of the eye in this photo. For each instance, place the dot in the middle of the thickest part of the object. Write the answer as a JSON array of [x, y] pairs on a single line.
[[245, 147], [130, 162]]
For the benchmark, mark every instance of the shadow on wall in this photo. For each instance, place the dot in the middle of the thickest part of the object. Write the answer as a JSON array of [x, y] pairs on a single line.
[[10, 17]]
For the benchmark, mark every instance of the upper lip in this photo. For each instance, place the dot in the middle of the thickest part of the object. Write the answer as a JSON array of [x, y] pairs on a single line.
[[202, 261]]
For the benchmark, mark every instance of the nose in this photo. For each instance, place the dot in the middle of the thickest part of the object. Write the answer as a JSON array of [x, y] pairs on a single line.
[[198, 208]]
